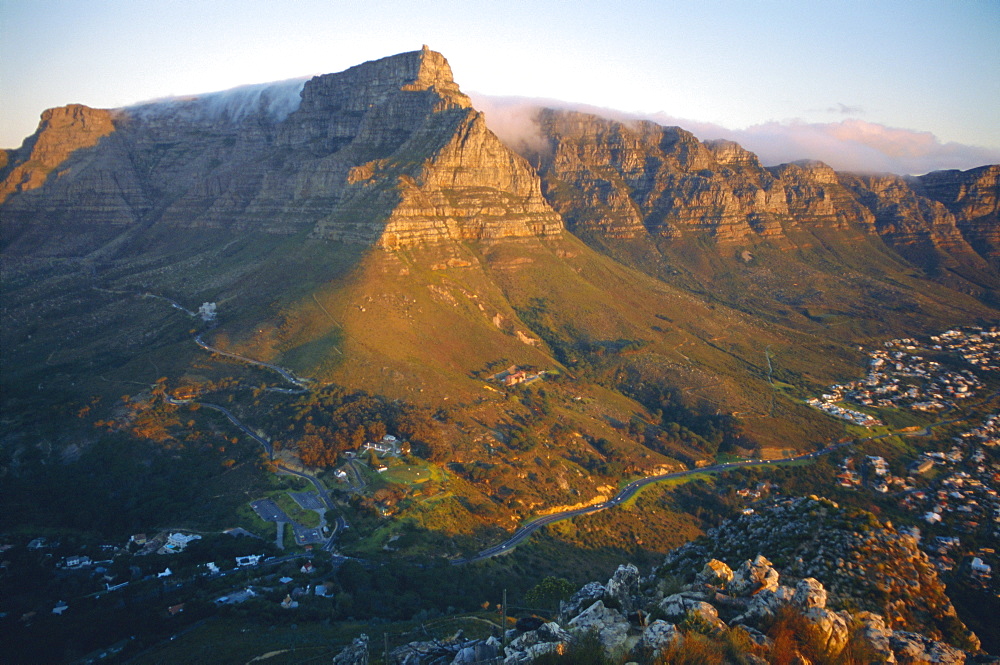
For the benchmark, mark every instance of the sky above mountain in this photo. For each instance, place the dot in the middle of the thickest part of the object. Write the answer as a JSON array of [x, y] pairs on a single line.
[[896, 85]]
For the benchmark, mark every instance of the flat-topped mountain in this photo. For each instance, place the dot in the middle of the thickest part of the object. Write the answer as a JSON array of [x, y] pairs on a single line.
[[389, 152]]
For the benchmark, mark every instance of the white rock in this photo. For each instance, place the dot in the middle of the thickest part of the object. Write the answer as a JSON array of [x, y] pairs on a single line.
[[658, 635], [754, 576], [609, 625], [809, 593]]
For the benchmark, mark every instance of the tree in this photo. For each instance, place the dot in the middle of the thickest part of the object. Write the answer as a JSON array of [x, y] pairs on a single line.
[[547, 593]]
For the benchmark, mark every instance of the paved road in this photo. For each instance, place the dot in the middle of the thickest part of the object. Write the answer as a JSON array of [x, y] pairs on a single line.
[[285, 374], [233, 419], [625, 494]]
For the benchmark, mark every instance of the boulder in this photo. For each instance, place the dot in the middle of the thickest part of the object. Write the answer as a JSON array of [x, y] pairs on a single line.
[[809, 594], [622, 590], [529, 654], [764, 605], [915, 649], [677, 607], [354, 654], [581, 600], [875, 635], [658, 635], [549, 632], [754, 576], [609, 625], [715, 573], [477, 651], [832, 626]]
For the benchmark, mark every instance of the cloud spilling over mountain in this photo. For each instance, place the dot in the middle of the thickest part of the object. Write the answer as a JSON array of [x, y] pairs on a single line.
[[276, 100], [847, 145]]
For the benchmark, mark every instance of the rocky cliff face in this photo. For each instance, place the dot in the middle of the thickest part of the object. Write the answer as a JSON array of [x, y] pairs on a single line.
[[798, 240], [389, 152], [61, 132], [973, 197], [627, 181], [630, 180], [919, 228]]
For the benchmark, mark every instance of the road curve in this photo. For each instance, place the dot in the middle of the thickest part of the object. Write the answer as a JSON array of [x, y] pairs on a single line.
[[287, 375], [233, 419], [626, 493]]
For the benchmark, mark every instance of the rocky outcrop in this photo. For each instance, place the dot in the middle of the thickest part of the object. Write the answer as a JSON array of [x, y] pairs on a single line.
[[755, 607], [455, 651], [61, 132], [622, 590], [858, 561], [356, 653]]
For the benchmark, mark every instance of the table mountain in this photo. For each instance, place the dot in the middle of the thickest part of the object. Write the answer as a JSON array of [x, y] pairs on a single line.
[[388, 153]]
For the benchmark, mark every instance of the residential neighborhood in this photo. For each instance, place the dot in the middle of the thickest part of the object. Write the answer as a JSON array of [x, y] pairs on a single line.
[[952, 493], [917, 375]]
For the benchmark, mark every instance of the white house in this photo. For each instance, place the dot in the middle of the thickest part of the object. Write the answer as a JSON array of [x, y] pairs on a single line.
[[249, 560], [979, 567]]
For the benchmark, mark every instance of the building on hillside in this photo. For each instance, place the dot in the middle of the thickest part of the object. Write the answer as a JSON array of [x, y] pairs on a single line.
[[248, 560], [176, 542], [980, 568], [387, 445], [514, 375]]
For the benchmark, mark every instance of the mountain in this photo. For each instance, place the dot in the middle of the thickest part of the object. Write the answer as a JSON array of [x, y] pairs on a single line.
[[367, 229]]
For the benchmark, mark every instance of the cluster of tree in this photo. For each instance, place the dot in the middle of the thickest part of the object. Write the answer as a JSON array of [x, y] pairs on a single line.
[[675, 422], [327, 422], [119, 485]]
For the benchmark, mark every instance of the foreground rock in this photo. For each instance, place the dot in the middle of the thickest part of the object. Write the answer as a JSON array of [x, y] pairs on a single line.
[[631, 618]]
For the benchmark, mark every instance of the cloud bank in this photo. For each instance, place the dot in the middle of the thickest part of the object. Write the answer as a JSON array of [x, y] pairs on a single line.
[[848, 145], [275, 100]]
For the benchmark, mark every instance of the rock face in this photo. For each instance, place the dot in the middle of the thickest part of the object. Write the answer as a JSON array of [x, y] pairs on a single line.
[[621, 182], [973, 197], [61, 132], [389, 152]]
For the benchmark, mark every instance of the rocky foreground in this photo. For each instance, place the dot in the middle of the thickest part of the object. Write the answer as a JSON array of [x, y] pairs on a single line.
[[817, 606]]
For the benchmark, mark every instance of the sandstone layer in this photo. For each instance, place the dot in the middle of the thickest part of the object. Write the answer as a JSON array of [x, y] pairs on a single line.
[[389, 152]]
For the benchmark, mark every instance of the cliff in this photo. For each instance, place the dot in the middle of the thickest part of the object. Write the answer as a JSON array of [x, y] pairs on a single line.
[[389, 152], [973, 197], [626, 180], [61, 132]]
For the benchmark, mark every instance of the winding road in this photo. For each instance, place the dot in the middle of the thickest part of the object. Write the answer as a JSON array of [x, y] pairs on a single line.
[[287, 375], [625, 494]]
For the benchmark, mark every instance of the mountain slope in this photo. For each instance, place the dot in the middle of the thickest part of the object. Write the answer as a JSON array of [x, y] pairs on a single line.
[[366, 228], [798, 243]]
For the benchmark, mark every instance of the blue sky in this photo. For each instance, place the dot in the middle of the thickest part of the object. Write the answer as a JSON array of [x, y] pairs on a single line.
[[897, 77]]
